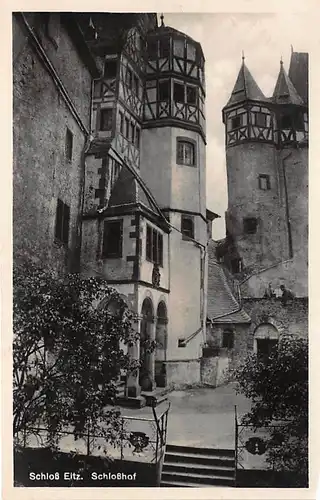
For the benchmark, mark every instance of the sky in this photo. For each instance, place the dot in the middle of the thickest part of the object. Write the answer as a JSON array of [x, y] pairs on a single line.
[[264, 39]]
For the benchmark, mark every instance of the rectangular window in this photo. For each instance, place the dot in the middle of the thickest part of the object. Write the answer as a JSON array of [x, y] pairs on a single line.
[[121, 122], [136, 85], [129, 78], [228, 339], [154, 246], [250, 225], [126, 120], [191, 95], [185, 153], [132, 132], [264, 182], [110, 68], [236, 122], [68, 145], [112, 239], [187, 226], [178, 92], [164, 48], [260, 119], [164, 90], [106, 119], [137, 142], [62, 222], [153, 49], [285, 122]]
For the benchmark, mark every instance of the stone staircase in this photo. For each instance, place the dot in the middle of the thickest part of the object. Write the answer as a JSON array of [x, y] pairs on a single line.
[[190, 467]]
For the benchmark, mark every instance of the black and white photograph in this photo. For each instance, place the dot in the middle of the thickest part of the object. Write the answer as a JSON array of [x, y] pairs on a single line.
[[160, 166]]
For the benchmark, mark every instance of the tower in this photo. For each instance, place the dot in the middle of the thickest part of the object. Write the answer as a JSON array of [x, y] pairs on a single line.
[[173, 166], [266, 156]]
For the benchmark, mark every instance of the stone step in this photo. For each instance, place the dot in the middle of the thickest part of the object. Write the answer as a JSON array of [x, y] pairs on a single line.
[[200, 479], [192, 450], [183, 484], [192, 458], [198, 468]]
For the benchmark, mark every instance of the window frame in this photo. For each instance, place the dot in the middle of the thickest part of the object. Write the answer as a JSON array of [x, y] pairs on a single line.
[[105, 254], [246, 225], [106, 63], [189, 218], [62, 222], [228, 338], [236, 117], [154, 246], [266, 178], [183, 142], [69, 145], [109, 122]]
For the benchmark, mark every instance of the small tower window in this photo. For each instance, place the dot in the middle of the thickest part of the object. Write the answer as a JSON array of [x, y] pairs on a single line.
[[137, 143], [178, 92], [187, 226], [129, 78], [264, 182], [260, 119], [121, 122], [106, 119], [285, 122], [164, 90], [250, 225], [112, 239], [110, 68], [185, 152], [164, 47], [228, 339], [136, 85], [126, 120], [236, 265], [191, 95], [69, 145], [236, 122], [153, 49]]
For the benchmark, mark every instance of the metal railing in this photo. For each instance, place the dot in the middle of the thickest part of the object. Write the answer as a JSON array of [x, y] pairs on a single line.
[[141, 438]]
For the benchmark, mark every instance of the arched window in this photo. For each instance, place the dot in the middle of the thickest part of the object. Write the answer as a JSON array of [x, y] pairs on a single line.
[[186, 152]]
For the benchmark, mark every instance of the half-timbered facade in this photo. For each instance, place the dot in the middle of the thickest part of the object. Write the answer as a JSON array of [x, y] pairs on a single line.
[[144, 221]]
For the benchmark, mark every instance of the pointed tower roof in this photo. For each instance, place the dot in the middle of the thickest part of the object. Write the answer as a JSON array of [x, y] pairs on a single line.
[[298, 73], [245, 88], [285, 92]]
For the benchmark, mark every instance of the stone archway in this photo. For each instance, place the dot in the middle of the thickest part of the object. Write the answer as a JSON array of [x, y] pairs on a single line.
[[146, 372], [161, 345], [266, 338]]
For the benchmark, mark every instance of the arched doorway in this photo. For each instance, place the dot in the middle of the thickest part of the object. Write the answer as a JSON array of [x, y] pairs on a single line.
[[146, 373], [161, 345], [266, 338]]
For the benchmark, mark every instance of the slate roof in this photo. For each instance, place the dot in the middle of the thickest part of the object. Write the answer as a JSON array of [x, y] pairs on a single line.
[[299, 73], [222, 306], [245, 88], [285, 92]]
